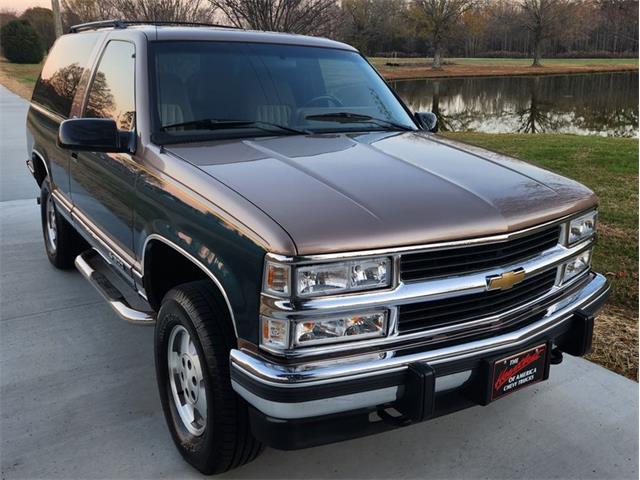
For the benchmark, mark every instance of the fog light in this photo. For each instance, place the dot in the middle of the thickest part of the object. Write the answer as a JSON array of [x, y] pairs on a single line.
[[576, 265]]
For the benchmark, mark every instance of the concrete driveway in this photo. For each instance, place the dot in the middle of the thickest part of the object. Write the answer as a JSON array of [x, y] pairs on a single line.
[[78, 396]]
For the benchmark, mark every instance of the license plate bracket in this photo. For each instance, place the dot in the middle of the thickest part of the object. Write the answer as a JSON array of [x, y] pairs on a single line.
[[510, 373]]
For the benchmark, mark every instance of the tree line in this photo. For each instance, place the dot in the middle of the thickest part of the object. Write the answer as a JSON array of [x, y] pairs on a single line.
[[492, 28], [405, 28]]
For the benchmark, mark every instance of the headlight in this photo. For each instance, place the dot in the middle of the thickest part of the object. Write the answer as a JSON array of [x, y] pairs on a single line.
[[576, 266], [283, 334], [582, 227], [342, 277]]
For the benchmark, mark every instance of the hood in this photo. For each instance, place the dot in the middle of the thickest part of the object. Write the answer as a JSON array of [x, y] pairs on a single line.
[[337, 193]]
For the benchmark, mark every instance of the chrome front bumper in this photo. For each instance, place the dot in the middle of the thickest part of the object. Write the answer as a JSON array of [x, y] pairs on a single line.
[[341, 385]]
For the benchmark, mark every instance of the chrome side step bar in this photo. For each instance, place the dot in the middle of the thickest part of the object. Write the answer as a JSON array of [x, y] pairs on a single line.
[[88, 264]]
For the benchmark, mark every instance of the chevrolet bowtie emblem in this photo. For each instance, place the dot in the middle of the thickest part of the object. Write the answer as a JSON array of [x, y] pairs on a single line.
[[505, 280]]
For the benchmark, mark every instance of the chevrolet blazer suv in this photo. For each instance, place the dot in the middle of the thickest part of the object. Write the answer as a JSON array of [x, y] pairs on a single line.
[[317, 263]]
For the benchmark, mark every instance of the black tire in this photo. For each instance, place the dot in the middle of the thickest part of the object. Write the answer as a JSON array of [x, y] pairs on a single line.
[[67, 243], [226, 441]]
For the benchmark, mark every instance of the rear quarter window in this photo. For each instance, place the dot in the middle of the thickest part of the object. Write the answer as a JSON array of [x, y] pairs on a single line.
[[62, 72]]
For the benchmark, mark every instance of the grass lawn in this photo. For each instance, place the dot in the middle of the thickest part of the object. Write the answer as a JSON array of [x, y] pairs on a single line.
[[408, 68], [19, 78], [609, 166], [508, 61]]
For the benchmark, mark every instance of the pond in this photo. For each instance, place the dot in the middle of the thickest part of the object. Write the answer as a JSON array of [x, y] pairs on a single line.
[[590, 104]]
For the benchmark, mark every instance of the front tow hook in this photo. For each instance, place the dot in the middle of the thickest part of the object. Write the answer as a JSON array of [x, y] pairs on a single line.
[[556, 356]]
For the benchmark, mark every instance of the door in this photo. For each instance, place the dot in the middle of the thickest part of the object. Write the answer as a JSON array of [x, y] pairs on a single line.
[[103, 184]]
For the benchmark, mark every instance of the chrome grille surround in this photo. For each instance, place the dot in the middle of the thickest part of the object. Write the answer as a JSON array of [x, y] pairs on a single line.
[[404, 293], [421, 266]]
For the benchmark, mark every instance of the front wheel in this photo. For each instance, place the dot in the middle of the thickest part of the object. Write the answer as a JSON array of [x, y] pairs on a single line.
[[207, 419]]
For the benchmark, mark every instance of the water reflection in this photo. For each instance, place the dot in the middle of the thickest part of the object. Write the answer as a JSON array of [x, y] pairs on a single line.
[[594, 104]]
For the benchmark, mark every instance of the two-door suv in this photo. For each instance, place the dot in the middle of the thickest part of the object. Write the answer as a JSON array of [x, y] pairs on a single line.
[[318, 264]]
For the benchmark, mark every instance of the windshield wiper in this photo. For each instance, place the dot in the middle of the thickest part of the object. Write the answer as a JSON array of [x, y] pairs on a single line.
[[219, 124], [349, 117]]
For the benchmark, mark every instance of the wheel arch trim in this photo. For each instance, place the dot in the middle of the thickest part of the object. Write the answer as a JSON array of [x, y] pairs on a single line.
[[36, 153], [196, 262]]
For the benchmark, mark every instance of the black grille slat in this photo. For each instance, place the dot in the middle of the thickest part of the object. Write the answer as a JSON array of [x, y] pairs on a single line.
[[439, 263], [476, 307], [496, 254], [464, 308], [551, 235], [492, 262], [449, 303], [472, 313]]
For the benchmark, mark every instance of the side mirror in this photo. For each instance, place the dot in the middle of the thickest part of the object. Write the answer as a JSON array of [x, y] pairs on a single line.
[[94, 135], [428, 121]]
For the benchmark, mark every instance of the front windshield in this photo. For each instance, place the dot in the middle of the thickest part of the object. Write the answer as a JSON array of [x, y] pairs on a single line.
[[211, 90]]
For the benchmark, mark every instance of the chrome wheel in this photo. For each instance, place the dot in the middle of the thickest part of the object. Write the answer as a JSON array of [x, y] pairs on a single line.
[[187, 381], [51, 229]]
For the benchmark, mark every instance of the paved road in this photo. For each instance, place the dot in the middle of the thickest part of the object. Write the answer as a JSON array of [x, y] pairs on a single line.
[[78, 396], [14, 183]]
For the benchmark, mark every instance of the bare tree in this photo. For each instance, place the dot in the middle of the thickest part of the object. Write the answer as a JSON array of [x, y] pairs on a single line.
[[294, 16], [620, 20], [373, 25], [79, 11], [163, 10], [440, 16], [543, 19]]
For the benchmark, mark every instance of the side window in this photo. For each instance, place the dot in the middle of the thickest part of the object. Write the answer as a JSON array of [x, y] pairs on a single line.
[[62, 72], [112, 90]]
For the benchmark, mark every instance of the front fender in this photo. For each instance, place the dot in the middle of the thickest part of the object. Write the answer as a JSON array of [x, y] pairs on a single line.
[[229, 256]]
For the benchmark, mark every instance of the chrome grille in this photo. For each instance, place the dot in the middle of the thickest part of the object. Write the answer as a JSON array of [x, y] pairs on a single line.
[[464, 260], [464, 308]]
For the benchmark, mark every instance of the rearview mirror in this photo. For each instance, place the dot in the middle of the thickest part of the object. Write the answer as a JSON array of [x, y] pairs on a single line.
[[94, 135], [428, 121]]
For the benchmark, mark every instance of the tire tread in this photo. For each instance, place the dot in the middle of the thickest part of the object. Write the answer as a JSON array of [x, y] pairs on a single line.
[[208, 312]]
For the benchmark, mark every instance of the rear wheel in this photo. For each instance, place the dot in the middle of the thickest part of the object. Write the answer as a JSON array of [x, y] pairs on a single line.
[[207, 419], [61, 241]]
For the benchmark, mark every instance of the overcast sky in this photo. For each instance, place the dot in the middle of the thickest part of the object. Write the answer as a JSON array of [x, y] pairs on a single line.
[[22, 5]]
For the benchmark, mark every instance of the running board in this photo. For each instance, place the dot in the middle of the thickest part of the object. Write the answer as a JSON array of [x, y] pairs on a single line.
[[89, 264]]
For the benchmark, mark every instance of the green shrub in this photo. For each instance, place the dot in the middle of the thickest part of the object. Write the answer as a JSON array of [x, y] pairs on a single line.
[[21, 43]]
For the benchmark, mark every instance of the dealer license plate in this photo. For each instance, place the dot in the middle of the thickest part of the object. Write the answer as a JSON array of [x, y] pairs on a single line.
[[518, 371]]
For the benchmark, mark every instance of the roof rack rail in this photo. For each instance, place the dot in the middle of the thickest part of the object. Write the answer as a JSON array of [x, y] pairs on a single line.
[[125, 23]]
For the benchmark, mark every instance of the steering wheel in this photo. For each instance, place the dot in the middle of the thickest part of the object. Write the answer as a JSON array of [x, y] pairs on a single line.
[[330, 99]]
